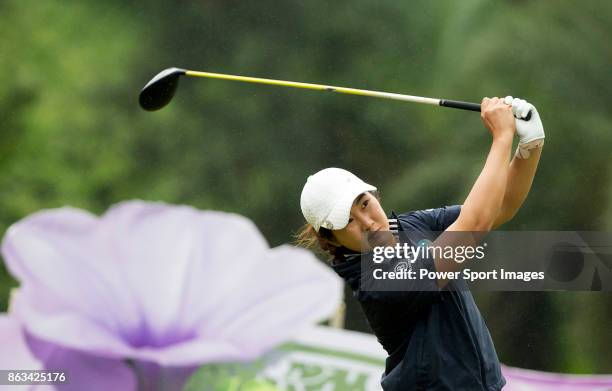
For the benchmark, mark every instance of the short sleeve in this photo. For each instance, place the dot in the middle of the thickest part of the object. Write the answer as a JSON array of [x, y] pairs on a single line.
[[438, 219]]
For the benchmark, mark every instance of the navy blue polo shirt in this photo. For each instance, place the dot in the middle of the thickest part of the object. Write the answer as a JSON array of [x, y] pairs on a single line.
[[436, 339]]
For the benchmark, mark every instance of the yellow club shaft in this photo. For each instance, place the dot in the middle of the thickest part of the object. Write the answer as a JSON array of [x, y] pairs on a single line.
[[318, 87]]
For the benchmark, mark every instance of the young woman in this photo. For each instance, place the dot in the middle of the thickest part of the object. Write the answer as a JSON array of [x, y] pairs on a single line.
[[433, 332]]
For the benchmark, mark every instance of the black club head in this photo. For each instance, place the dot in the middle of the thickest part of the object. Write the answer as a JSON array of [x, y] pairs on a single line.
[[159, 91]]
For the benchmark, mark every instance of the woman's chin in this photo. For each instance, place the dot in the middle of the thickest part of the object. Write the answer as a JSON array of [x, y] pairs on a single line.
[[380, 239]]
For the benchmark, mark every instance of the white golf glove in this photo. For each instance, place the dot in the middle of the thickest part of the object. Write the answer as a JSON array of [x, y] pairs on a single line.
[[531, 132]]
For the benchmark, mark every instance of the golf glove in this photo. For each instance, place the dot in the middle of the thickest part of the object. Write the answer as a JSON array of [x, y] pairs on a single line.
[[531, 132]]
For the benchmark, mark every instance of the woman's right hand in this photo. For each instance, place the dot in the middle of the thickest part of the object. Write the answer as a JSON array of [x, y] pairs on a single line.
[[498, 118]]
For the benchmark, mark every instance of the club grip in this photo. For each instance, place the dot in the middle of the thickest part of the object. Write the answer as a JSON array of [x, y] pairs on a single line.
[[457, 104]]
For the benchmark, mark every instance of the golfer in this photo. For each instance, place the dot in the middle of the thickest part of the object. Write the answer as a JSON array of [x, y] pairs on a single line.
[[434, 334]]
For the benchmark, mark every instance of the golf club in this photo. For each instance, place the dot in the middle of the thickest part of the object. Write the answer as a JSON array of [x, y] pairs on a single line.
[[158, 92]]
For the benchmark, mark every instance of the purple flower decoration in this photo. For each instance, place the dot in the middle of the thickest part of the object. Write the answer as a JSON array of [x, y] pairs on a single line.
[[141, 296], [15, 353]]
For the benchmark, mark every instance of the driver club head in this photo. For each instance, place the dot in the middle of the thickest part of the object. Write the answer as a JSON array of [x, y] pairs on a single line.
[[159, 91]]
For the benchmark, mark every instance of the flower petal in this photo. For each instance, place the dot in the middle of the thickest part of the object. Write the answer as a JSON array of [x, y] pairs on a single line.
[[287, 290], [84, 371], [48, 249], [64, 327], [168, 255], [15, 351], [65, 284]]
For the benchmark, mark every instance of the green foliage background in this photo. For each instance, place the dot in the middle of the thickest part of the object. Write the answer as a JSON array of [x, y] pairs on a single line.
[[71, 131]]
